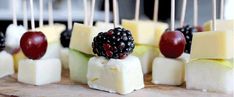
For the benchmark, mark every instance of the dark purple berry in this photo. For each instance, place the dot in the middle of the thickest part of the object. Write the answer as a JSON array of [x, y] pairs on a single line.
[[65, 37], [188, 34], [2, 41], [117, 43]]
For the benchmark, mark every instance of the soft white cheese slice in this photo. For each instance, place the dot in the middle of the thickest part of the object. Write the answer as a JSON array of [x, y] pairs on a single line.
[[121, 76], [210, 75], [6, 64], [39, 72], [168, 71]]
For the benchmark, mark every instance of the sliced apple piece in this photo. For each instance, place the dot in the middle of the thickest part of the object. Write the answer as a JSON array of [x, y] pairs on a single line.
[[78, 64]]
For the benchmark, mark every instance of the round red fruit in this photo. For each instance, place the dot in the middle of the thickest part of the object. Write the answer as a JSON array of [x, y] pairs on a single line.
[[172, 44], [199, 28], [33, 44]]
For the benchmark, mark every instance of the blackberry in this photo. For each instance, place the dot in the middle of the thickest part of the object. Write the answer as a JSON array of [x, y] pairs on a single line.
[[188, 34], [117, 43], [65, 37], [2, 41]]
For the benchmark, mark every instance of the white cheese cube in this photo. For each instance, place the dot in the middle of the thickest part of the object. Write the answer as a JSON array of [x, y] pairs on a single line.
[[115, 75], [52, 51], [64, 53], [6, 64], [78, 66], [146, 54], [168, 71], [13, 35], [39, 72], [210, 75]]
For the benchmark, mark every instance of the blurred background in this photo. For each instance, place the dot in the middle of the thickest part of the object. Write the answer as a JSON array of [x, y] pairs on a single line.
[[126, 10]]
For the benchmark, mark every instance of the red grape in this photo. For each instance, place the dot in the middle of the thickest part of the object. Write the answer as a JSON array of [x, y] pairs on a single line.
[[33, 44], [172, 44], [199, 28]]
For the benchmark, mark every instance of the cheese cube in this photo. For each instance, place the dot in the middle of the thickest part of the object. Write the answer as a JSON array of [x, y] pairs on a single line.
[[6, 64], [212, 45], [82, 38], [104, 27], [64, 53], [221, 25], [115, 75], [53, 51], [52, 32], [13, 35], [168, 71], [39, 72], [145, 32], [210, 75], [78, 66], [146, 54]]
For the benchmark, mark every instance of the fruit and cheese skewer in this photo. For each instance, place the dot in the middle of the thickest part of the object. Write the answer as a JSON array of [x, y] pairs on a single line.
[[14, 32], [18, 54], [66, 36], [32, 69], [110, 68], [6, 59], [105, 26], [146, 35], [137, 27], [80, 50], [52, 33], [188, 30], [211, 68], [169, 68], [221, 24], [25, 14]]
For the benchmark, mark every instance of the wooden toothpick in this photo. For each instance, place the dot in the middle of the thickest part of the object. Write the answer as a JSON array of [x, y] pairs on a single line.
[[14, 12], [214, 15], [156, 3], [92, 12], [41, 13], [107, 11], [195, 13], [137, 10], [25, 14], [172, 15], [116, 13], [222, 9], [69, 14], [85, 12], [32, 15], [183, 12], [50, 10]]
